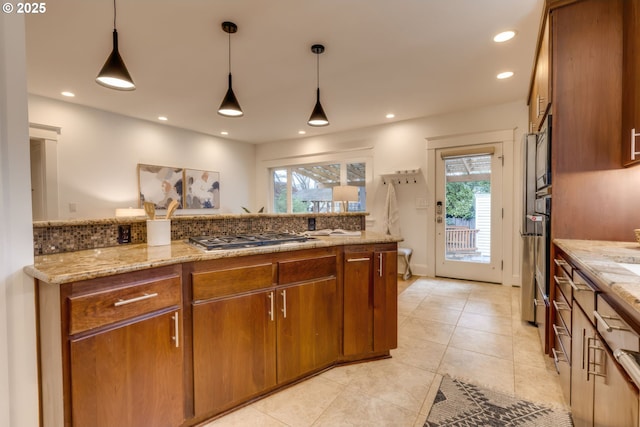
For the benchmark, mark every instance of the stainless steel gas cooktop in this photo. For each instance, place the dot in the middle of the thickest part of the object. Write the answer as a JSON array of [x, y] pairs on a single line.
[[210, 243]]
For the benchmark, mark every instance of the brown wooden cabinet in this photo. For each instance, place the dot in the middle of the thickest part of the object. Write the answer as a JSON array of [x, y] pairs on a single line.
[[252, 332], [370, 294], [180, 344], [129, 376], [308, 321], [631, 82], [581, 385], [120, 340], [540, 94], [233, 332]]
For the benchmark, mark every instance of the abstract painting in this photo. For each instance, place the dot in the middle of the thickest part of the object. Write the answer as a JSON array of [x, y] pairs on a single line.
[[202, 189], [160, 185]]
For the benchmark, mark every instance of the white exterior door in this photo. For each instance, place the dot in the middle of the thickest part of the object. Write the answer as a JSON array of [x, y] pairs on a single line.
[[469, 213]]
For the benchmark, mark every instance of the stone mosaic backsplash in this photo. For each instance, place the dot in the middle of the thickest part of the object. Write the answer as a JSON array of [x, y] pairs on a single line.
[[50, 237]]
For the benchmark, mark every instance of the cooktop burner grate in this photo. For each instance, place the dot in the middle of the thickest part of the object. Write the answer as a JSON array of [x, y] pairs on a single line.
[[245, 240]]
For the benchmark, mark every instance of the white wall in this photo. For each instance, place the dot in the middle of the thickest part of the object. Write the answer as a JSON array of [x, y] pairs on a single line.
[[98, 153], [400, 146], [18, 371]]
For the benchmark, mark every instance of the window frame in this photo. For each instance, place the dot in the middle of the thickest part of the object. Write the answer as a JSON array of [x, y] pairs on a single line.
[[291, 165]]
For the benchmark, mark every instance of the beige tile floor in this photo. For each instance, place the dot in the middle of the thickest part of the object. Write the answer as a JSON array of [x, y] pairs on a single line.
[[467, 330]]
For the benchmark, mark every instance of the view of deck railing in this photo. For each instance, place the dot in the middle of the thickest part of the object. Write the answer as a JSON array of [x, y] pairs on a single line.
[[461, 239]]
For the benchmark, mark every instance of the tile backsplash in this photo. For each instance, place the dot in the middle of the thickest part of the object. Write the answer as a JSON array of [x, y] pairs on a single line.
[[50, 237]]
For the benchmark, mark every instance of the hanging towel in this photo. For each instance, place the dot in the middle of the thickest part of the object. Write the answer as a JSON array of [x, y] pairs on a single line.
[[391, 219]]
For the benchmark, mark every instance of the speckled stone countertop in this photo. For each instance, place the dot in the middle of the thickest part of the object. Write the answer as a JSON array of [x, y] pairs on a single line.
[[599, 259], [88, 264]]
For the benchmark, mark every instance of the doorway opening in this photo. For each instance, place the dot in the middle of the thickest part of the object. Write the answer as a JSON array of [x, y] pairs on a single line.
[[469, 213]]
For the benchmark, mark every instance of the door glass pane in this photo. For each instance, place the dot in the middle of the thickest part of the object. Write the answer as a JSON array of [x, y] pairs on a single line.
[[280, 190], [311, 187], [468, 208]]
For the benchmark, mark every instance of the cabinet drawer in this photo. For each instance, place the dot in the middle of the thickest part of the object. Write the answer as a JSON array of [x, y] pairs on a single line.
[[563, 278], [615, 331], [219, 283], [563, 311], [102, 308], [585, 295], [301, 270], [561, 360]]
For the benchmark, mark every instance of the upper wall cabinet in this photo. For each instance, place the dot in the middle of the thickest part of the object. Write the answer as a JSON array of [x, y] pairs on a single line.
[[631, 83], [540, 98]]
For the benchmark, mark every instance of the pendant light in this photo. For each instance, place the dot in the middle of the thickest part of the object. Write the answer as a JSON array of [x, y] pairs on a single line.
[[318, 117], [230, 106], [114, 73]]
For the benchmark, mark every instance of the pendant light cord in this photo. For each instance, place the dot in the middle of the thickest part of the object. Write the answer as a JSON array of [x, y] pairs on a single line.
[[229, 34], [114, 14], [317, 70]]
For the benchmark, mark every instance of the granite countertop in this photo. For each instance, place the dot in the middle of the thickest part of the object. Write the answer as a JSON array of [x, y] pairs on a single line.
[[88, 264], [599, 259]]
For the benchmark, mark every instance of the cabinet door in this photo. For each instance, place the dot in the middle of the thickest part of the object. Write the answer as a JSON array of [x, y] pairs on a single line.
[[631, 80], [131, 376], [233, 350], [358, 303], [385, 306], [615, 399], [581, 382], [541, 87], [307, 328]]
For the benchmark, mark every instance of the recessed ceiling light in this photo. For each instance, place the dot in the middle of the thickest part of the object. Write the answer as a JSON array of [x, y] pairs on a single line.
[[163, 118], [302, 132], [68, 94], [504, 36], [505, 75], [224, 132], [390, 116]]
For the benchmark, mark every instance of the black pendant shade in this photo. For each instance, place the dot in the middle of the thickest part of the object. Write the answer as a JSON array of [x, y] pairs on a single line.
[[230, 107], [318, 116], [114, 73]]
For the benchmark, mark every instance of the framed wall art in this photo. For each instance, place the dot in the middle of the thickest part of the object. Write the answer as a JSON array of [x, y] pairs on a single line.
[[160, 185], [202, 189]]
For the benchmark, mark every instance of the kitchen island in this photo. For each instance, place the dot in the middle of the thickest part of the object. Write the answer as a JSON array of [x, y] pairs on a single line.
[[174, 335]]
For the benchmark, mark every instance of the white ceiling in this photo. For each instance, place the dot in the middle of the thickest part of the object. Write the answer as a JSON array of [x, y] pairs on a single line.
[[414, 58]]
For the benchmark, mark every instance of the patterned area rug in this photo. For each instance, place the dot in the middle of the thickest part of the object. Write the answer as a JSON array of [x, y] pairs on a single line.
[[462, 404]]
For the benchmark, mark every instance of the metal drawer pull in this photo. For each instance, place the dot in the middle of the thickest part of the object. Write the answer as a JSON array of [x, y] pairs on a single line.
[[270, 296], [577, 289], [557, 360], [607, 327], [284, 303], [561, 306], [358, 259], [136, 299], [561, 263], [561, 280], [629, 362], [176, 327], [380, 262], [593, 363], [558, 332]]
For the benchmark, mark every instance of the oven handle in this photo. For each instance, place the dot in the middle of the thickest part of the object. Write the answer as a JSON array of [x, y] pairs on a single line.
[[629, 364]]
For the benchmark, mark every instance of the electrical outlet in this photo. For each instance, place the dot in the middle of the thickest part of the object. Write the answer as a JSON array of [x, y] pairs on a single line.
[[124, 234], [311, 224]]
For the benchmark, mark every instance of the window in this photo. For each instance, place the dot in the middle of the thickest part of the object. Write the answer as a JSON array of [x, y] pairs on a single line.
[[309, 188]]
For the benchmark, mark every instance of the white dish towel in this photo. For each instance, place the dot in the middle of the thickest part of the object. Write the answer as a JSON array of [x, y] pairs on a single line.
[[391, 218]]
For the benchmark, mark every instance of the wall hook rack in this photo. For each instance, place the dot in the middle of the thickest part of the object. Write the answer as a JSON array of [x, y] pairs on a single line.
[[407, 176]]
